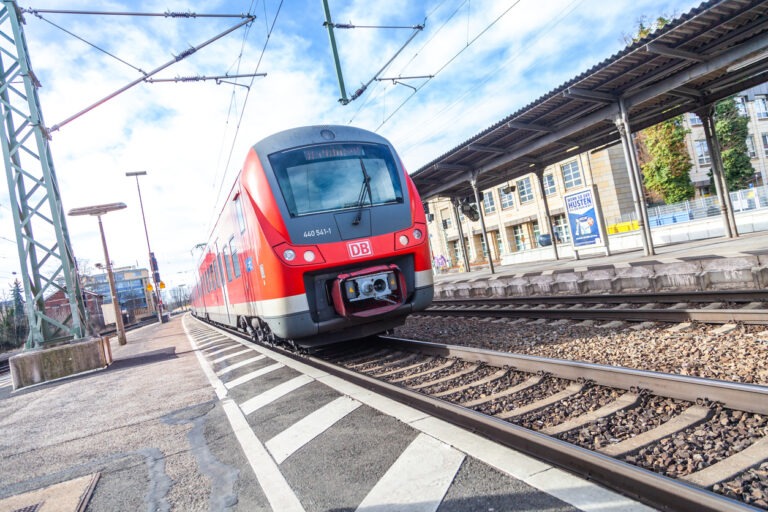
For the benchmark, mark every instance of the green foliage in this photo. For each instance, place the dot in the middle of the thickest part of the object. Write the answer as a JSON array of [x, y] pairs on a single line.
[[13, 321], [732, 131], [667, 172]]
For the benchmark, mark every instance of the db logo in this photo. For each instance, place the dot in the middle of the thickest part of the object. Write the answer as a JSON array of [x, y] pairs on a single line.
[[359, 249]]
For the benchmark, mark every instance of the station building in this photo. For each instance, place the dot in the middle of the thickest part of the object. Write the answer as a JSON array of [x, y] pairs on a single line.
[[513, 212], [131, 285]]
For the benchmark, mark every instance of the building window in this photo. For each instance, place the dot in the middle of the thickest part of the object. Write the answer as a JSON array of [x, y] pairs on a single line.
[[694, 119], [571, 175], [489, 205], [702, 152], [445, 215], [485, 247], [751, 151], [507, 200], [549, 184], [536, 233], [761, 107], [519, 234], [561, 228], [765, 143], [741, 105], [235, 259], [524, 190], [499, 245]]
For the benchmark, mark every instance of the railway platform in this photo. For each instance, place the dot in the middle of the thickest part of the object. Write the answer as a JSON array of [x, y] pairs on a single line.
[[189, 418], [700, 265]]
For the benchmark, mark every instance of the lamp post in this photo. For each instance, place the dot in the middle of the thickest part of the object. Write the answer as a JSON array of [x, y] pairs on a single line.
[[152, 261], [98, 211]]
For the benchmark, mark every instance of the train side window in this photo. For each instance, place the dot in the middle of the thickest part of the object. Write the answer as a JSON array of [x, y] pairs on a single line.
[[239, 214], [235, 260], [227, 262], [220, 270]]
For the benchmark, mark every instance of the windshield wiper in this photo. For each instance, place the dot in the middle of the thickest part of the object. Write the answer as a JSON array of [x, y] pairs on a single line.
[[365, 187]]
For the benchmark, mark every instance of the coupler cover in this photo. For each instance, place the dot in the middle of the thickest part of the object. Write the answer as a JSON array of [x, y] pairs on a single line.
[[369, 292]]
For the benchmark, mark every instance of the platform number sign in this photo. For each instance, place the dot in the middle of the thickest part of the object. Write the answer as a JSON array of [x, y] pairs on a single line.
[[359, 249], [583, 219]]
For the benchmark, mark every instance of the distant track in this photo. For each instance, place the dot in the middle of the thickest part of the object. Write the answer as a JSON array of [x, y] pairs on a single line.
[[717, 307]]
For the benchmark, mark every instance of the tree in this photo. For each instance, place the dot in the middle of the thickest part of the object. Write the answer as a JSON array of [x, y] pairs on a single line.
[[732, 131], [662, 153], [667, 172]]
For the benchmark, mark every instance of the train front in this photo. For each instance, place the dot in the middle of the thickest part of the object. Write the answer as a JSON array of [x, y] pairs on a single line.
[[351, 237]]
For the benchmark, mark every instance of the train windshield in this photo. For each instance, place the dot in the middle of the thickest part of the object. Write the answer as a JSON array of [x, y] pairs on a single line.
[[336, 177]]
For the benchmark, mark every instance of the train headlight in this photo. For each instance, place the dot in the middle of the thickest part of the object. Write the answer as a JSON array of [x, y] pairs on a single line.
[[309, 256], [289, 255], [403, 240], [417, 234]]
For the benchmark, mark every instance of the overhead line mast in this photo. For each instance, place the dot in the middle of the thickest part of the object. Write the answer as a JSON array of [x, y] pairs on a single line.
[[330, 25], [46, 258]]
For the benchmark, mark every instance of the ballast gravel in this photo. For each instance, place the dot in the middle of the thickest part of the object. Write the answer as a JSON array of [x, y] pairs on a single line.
[[740, 355]]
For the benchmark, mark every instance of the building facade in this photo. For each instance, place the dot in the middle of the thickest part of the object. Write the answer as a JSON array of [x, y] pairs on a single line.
[[131, 286], [753, 104], [514, 212]]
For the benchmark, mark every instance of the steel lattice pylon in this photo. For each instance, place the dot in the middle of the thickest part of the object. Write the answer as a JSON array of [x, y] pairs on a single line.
[[47, 262]]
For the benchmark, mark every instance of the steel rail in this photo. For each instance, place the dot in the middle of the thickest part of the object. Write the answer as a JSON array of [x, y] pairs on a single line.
[[709, 316], [618, 298], [734, 395], [640, 484]]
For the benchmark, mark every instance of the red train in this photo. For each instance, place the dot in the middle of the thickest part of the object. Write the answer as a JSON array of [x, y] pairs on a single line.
[[323, 238]]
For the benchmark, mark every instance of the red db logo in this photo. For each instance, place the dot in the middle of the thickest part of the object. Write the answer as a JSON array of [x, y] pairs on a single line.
[[359, 249]]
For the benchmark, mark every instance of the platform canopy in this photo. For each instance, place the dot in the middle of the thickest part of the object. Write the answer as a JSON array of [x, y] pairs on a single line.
[[716, 50]]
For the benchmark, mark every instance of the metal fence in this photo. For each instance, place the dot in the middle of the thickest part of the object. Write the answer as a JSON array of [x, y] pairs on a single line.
[[703, 207]]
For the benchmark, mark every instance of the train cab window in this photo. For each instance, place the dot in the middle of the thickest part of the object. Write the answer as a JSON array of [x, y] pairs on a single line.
[[235, 260], [336, 177]]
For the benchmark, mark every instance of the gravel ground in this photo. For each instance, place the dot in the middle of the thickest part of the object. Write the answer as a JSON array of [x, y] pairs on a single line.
[[740, 355]]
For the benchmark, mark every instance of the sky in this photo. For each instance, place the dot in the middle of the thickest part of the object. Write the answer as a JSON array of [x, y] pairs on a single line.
[[486, 59]]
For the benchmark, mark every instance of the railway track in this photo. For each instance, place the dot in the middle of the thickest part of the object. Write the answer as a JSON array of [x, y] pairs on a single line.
[[746, 307], [674, 442]]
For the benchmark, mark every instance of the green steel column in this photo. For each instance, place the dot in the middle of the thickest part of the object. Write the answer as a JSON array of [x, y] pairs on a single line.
[[329, 25], [46, 259]]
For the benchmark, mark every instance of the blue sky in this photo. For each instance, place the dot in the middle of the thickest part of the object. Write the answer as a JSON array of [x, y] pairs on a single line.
[[488, 58]]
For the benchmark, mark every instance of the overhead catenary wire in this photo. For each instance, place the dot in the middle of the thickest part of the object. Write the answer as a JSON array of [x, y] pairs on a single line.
[[547, 30], [449, 61], [186, 53], [245, 102]]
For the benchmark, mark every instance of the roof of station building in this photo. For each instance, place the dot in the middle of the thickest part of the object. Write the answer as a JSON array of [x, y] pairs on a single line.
[[714, 51]]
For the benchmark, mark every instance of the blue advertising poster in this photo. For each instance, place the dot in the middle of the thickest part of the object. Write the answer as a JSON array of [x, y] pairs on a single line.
[[582, 218]]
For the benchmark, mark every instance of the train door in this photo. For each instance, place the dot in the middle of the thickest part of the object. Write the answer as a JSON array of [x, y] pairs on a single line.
[[219, 263]]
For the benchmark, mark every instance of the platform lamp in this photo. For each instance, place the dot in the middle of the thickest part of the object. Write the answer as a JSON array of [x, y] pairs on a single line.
[[152, 260], [98, 211]]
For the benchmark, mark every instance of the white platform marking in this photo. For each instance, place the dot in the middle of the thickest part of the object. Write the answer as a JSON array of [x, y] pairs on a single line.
[[273, 394], [225, 349], [253, 375], [240, 364], [284, 444], [573, 490], [418, 480], [230, 356], [276, 489]]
